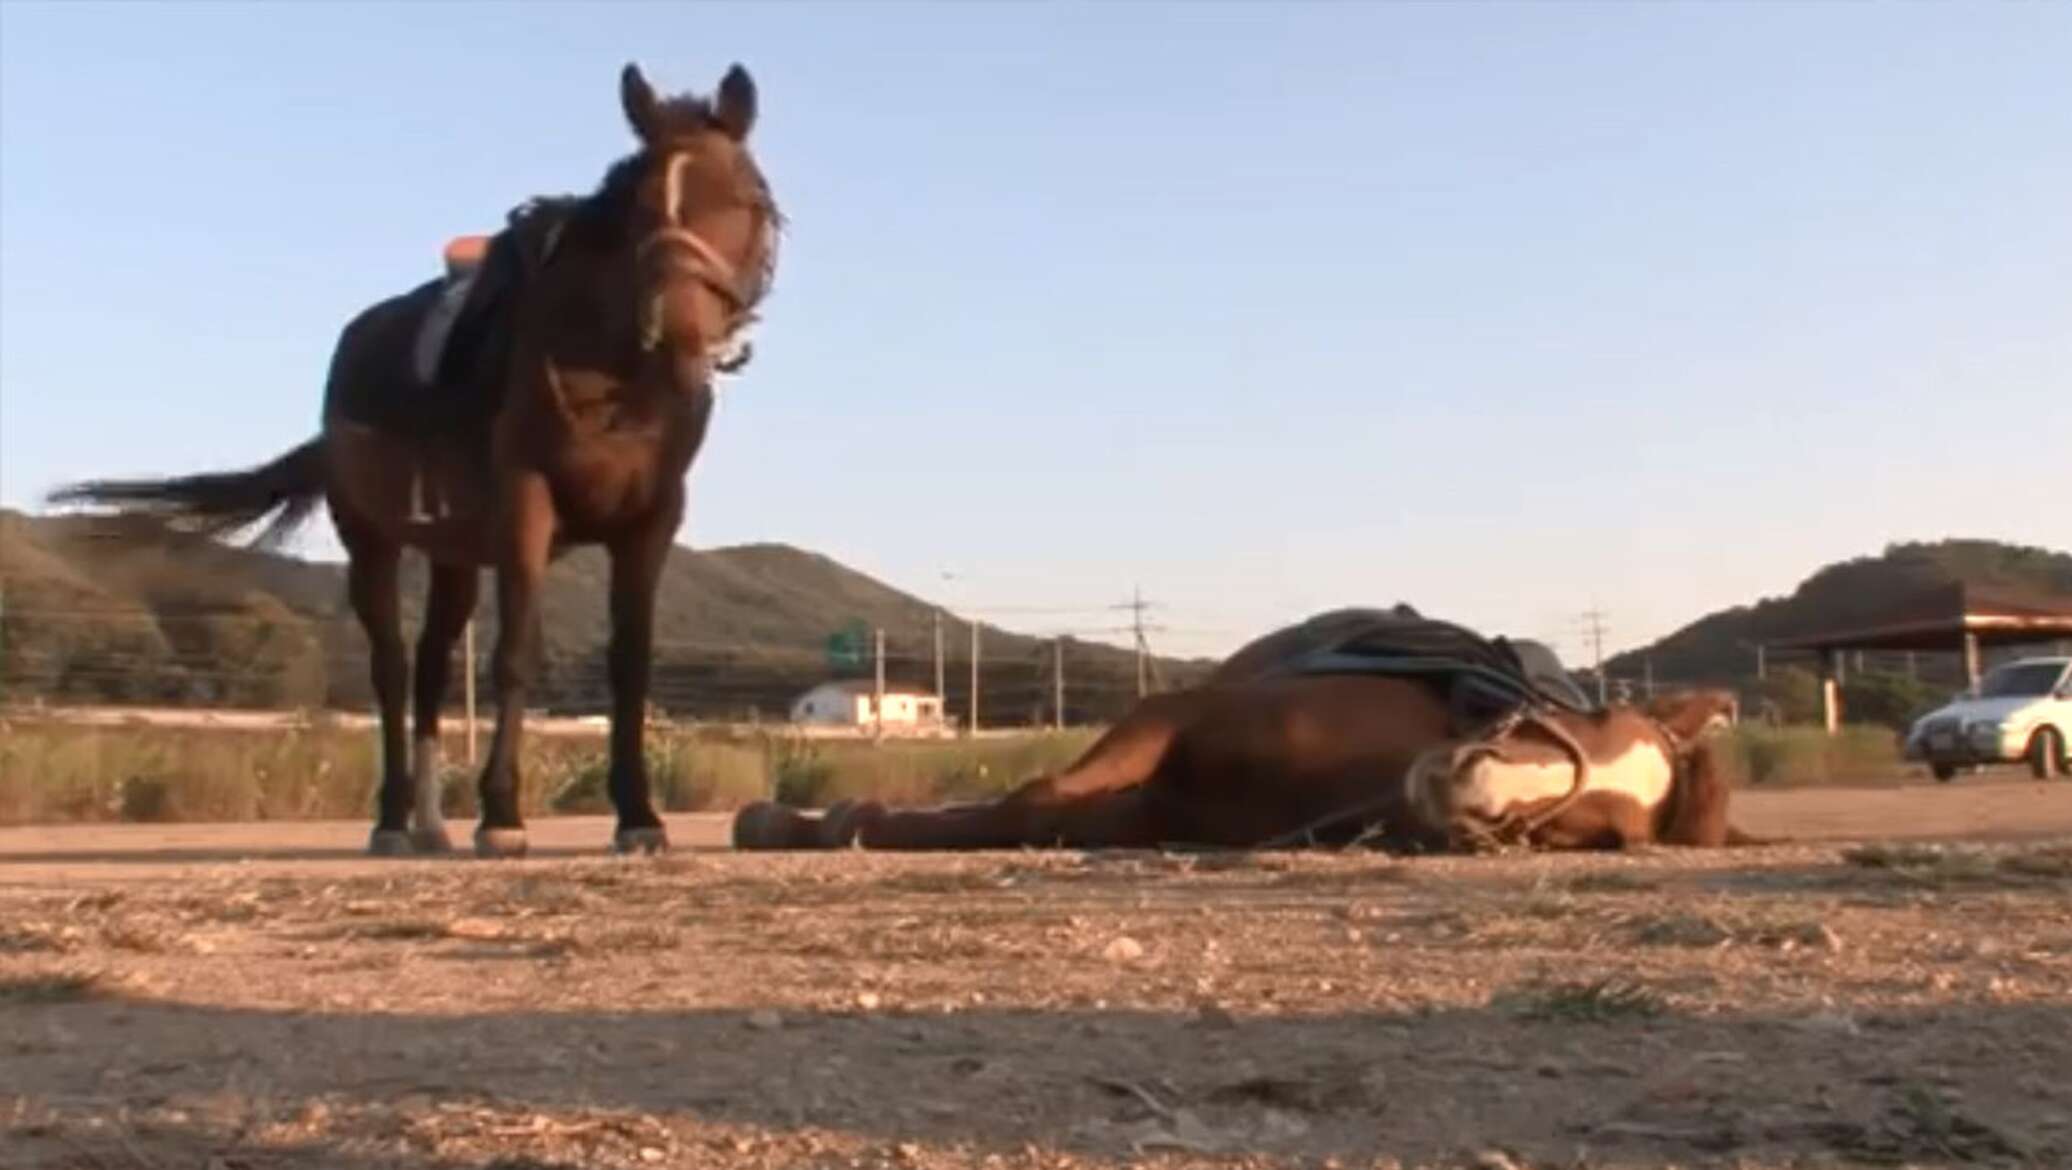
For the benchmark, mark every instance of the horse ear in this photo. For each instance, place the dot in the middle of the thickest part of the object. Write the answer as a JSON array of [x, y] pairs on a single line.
[[1693, 714], [734, 109], [638, 98]]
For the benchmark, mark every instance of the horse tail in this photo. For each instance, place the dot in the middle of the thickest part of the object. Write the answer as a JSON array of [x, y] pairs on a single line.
[[215, 503]]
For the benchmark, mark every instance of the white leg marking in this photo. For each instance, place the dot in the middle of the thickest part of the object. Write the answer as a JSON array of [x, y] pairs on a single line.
[[424, 776]]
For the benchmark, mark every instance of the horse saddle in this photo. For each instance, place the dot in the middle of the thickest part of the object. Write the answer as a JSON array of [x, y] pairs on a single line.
[[1482, 679], [471, 305], [464, 256]]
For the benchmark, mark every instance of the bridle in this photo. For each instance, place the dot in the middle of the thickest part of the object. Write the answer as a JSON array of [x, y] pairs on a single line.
[[1509, 832], [1512, 831], [685, 253], [1515, 830]]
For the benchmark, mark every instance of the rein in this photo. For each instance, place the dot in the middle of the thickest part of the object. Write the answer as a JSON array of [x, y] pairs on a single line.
[[1487, 744], [1512, 831]]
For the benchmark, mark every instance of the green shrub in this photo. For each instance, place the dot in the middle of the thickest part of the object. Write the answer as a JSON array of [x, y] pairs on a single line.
[[1783, 757], [1888, 700], [801, 773]]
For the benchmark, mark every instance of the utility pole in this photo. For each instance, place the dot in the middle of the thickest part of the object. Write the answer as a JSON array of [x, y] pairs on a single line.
[[1647, 684], [468, 690], [878, 689], [1137, 627], [1137, 607], [973, 720], [1595, 618], [938, 656], [1762, 663], [1057, 678]]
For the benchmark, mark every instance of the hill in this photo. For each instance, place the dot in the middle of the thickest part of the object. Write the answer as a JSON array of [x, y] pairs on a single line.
[[1720, 647], [104, 612]]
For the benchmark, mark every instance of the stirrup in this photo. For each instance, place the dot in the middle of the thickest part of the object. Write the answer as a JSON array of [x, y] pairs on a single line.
[[417, 513]]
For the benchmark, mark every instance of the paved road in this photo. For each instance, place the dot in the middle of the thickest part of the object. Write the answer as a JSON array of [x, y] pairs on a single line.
[[2002, 807]]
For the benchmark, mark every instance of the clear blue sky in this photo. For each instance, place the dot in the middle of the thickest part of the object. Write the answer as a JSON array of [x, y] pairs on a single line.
[[1503, 310]]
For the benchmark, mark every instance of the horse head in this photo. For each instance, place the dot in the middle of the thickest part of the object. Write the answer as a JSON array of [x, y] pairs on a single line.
[[1556, 775], [677, 247]]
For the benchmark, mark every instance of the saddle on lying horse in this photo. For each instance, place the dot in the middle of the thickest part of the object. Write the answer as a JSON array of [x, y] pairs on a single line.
[[1483, 680]]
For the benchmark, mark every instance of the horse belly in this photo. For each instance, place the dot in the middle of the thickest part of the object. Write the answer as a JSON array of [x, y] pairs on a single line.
[[1279, 756], [430, 496]]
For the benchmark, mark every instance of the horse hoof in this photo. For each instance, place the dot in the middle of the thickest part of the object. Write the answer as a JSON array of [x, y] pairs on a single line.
[[389, 843], [500, 843], [431, 840], [650, 840]]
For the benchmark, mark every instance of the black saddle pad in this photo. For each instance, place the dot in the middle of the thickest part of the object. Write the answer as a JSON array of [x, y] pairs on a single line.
[[1481, 678]]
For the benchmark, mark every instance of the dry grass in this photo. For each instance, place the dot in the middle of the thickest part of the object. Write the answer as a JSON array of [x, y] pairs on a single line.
[[53, 773], [1590, 1001], [1935, 865], [812, 773], [1613, 881], [49, 987]]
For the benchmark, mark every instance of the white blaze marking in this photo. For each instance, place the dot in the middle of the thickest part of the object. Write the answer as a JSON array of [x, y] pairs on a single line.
[[672, 187], [1489, 788], [424, 776]]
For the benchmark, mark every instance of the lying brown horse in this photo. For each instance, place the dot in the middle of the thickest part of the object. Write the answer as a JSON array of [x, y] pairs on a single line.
[[570, 417], [1255, 759]]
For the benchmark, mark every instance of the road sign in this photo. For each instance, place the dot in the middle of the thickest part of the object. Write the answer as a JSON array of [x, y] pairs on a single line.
[[849, 647]]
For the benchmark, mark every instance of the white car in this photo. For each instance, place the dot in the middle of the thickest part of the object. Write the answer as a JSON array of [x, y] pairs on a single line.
[[2022, 711]]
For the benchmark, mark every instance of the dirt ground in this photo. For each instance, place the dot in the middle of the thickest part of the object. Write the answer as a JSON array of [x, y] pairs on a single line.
[[263, 996]]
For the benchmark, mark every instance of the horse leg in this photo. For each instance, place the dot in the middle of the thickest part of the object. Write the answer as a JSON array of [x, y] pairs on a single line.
[[1036, 815], [449, 606], [1697, 812], [1101, 801], [636, 567], [371, 574], [527, 540]]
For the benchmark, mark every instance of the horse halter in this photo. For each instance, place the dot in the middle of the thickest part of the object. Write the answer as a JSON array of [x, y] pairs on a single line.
[[1515, 829], [690, 254]]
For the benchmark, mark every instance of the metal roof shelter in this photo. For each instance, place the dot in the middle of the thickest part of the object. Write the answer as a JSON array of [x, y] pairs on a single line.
[[1957, 617]]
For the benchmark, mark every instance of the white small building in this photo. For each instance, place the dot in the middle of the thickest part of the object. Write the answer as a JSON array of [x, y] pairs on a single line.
[[849, 704]]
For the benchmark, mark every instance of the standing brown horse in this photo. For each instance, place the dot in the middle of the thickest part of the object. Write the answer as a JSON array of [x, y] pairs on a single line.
[[570, 400]]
